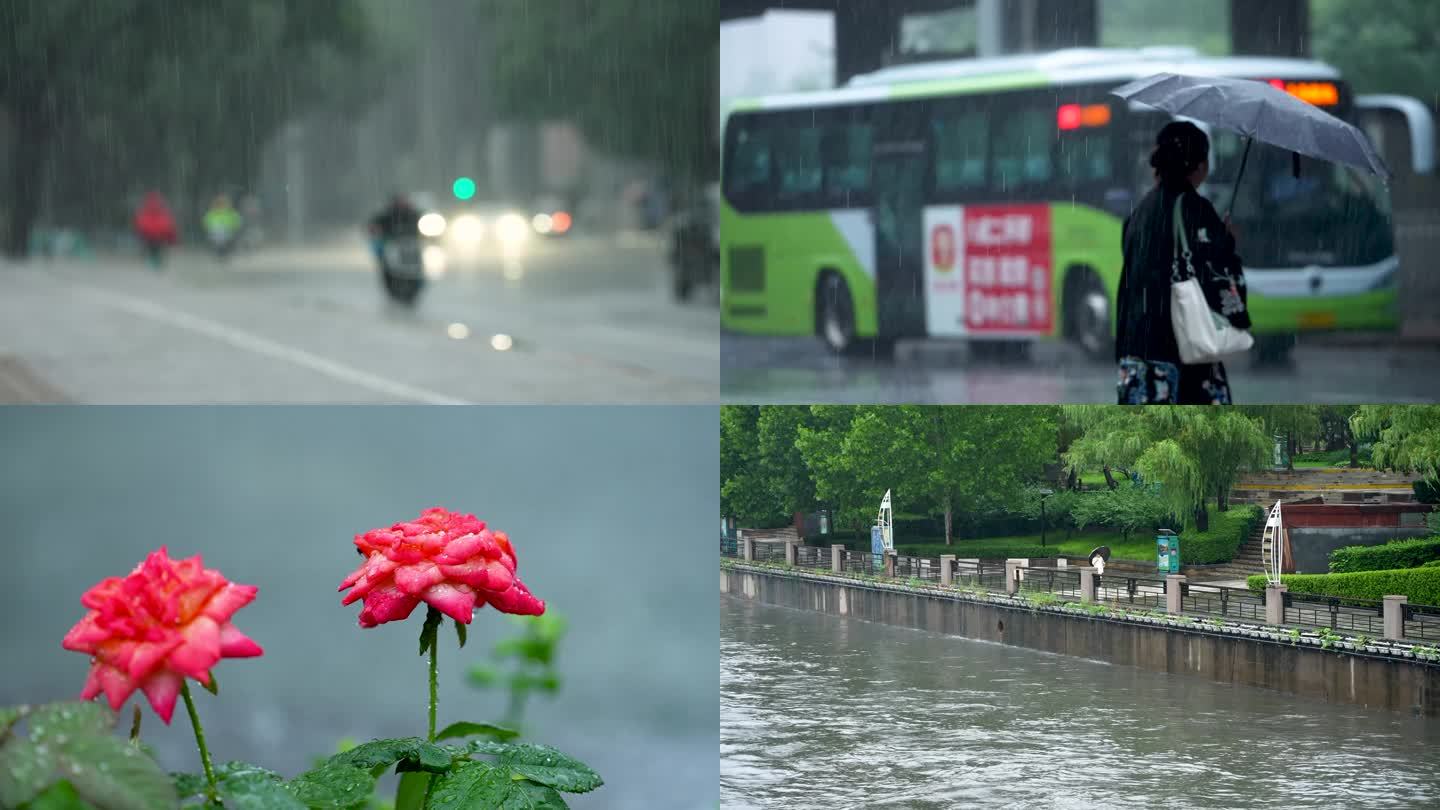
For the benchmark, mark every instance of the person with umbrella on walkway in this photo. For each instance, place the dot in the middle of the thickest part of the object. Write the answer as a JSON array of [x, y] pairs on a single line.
[[1150, 368], [1174, 270]]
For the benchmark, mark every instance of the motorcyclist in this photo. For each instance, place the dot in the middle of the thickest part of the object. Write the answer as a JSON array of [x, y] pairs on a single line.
[[222, 224], [398, 218], [155, 226]]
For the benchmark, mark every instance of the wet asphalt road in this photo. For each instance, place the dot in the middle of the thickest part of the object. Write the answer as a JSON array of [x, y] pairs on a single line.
[[587, 319], [801, 370]]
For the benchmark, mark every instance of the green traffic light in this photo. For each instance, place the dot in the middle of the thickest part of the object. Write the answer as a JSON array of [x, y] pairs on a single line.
[[464, 188]]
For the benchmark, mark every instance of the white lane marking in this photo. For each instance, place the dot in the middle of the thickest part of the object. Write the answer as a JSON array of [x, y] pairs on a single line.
[[255, 344]]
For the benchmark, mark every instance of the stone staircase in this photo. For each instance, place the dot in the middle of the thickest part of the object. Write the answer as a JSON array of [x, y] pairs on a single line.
[[1247, 561]]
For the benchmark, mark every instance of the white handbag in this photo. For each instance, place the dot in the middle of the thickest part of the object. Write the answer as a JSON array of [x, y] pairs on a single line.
[[1202, 334]]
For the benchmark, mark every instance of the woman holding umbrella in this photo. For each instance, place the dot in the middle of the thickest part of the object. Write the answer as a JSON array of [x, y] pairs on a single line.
[[1150, 370]]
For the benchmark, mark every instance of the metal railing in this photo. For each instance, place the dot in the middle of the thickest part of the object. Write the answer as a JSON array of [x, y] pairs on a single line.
[[1218, 600], [1059, 581], [1356, 616], [1352, 615], [1130, 591], [1421, 622]]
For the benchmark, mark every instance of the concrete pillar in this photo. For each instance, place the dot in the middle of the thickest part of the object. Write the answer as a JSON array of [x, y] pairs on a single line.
[[889, 564], [1275, 604], [837, 558], [1087, 584], [1174, 587], [1012, 576], [1395, 617], [790, 553], [748, 551], [947, 569]]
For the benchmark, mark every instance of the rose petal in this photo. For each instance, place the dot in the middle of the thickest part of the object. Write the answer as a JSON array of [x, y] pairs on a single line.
[[200, 650], [455, 601], [235, 644], [413, 579], [517, 599], [161, 689], [229, 599], [386, 604]]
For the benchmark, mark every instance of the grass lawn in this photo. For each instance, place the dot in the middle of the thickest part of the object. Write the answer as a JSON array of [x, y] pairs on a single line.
[[1094, 479], [1330, 458], [1140, 547]]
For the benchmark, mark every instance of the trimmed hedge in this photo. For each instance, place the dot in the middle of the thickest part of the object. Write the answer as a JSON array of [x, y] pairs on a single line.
[[1389, 556], [1422, 585], [1228, 531]]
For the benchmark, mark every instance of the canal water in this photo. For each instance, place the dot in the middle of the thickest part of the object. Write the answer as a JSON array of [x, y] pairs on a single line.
[[825, 711]]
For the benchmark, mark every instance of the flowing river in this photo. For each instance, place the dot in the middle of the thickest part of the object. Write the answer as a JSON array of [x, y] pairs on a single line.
[[825, 711]]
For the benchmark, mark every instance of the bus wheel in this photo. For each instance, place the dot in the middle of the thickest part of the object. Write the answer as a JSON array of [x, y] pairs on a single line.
[[1273, 350], [1087, 315], [835, 321]]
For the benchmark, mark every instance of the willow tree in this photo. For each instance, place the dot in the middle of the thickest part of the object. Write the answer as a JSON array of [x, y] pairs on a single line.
[[1407, 437]]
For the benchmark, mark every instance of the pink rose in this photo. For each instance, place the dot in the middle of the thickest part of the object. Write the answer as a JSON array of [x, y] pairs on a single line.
[[445, 559]]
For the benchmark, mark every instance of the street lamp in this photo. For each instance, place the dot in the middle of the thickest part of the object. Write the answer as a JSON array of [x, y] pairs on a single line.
[[1044, 493]]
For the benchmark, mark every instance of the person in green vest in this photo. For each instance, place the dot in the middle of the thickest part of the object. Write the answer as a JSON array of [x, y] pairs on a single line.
[[222, 225]]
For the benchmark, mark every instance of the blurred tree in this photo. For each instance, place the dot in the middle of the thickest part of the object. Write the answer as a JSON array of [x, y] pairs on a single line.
[[640, 78], [1407, 437], [1294, 422], [1335, 430], [107, 94], [1382, 46]]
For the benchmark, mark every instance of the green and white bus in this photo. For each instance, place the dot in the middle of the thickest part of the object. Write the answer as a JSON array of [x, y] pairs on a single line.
[[983, 199]]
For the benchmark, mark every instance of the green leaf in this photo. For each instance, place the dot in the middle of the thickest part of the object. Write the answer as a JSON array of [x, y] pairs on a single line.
[[253, 788], [115, 774], [333, 786], [8, 716], [543, 764], [213, 687], [486, 747], [187, 784], [73, 718], [467, 729], [482, 676], [59, 796], [25, 770], [477, 784], [425, 756], [460, 633], [428, 632], [411, 793]]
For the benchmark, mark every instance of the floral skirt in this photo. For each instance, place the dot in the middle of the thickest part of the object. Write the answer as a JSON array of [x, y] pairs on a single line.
[[1155, 382]]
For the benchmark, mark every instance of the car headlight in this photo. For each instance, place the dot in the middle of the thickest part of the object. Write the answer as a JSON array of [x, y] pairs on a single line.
[[467, 229], [432, 224], [512, 228]]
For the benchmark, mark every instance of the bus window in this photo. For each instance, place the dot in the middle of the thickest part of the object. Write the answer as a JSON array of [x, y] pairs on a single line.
[[1022, 149], [747, 172], [797, 163], [961, 143], [1083, 158], [846, 161]]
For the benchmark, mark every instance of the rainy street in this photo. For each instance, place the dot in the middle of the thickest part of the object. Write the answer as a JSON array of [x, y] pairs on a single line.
[[588, 318], [796, 370]]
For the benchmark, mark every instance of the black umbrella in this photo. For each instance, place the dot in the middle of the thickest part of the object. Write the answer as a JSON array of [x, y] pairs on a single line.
[[1259, 111]]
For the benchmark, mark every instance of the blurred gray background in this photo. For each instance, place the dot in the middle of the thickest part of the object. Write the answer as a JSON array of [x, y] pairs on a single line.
[[606, 506]]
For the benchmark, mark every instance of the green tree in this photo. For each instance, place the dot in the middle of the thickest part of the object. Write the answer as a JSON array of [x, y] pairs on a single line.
[[641, 78], [1296, 423], [836, 473], [782, 468], [1407, 437], [128, 90], [743, 492], [1335, 430], [1383, 46]]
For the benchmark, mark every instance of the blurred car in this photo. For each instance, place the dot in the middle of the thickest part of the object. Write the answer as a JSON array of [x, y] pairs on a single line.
[[552, 217], [469, 226], [695, 244]]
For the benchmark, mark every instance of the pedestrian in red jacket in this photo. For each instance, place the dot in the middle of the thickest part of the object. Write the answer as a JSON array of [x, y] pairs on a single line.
[[155, 226]]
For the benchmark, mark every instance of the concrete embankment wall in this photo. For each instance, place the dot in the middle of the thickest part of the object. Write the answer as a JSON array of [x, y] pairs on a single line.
[[1375, 681]]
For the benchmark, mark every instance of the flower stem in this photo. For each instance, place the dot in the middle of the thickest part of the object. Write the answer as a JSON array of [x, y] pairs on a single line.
[[434, 687], [200, 741]]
